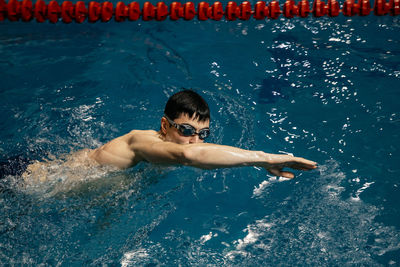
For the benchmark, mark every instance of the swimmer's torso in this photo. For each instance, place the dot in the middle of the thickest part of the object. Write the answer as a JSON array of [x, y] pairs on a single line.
[[41, 171], [116, 153]]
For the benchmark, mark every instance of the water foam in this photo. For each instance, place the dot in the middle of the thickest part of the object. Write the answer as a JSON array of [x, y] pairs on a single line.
[[317, 225], [49, 177]]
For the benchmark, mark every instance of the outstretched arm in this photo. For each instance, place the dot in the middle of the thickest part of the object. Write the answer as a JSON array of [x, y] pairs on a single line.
[[216, 156], [212, 156]]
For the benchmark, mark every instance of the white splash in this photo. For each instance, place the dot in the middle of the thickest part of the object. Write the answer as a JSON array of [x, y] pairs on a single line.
[[254, 231], [260, 189], [205, 238], [359, 191], [130, 258]]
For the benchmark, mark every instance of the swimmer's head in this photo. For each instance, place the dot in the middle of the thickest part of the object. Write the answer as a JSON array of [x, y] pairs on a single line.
[[187, 102], [186, 118]]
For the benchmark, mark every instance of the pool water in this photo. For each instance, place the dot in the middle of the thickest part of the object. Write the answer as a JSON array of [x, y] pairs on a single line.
[[325, 89]]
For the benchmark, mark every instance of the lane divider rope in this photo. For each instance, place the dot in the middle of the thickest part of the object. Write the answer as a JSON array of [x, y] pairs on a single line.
[[67, 12]]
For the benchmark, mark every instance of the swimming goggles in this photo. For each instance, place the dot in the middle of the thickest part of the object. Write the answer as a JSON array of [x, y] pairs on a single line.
[[188, 130]]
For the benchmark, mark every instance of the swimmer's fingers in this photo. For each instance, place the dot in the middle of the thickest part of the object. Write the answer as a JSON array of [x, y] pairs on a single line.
[[301, 164], [294, 163], [301, 167], [298, 163], [279, 172]]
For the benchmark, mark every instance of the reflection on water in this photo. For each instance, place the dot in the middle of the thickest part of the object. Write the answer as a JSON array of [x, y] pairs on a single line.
[[327, 227], [315, 224], [320, 88]]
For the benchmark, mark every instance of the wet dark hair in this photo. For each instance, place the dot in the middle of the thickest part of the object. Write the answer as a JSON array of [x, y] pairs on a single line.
[[187, 102]]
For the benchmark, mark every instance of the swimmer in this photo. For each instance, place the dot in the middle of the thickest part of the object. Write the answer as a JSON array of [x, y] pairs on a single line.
[[180, 141]]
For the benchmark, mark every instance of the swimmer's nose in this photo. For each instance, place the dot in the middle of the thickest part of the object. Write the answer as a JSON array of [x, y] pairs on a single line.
[[195, 139]]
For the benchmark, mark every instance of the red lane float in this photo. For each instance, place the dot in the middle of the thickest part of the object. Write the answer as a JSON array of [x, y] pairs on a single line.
[[67, 12]]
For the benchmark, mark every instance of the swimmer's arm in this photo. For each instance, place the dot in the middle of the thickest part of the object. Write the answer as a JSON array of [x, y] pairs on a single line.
[[212, 156], [116, 153]]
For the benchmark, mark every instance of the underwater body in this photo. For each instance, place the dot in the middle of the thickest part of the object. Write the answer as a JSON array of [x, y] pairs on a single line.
[[321, 88]]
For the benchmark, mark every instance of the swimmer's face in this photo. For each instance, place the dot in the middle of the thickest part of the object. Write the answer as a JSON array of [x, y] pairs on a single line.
[[172, 134]]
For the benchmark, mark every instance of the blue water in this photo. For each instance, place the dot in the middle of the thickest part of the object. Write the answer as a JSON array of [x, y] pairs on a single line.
[[324, 89]]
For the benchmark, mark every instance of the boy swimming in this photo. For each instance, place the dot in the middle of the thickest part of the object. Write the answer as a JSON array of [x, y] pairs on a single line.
[[180, 141]]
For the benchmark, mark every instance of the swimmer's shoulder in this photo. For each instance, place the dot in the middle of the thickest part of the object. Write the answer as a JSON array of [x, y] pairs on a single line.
[[144, 135], [144, 132]]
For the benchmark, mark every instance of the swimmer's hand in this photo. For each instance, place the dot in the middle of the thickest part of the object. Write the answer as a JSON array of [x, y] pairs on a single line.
[[276, 163]]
